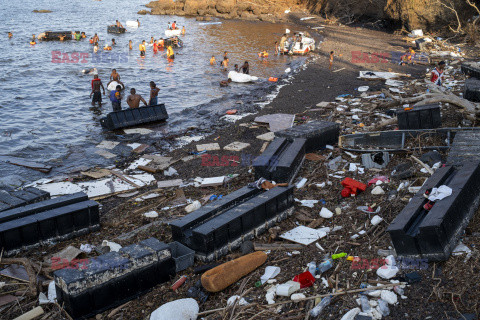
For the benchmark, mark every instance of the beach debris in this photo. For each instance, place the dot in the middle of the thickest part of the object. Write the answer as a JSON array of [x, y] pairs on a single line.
[[112, 245], [27, 164], [378, 160], [270, 273], [170, 172], [307, 203], [378, 190], [269, 136], [363, 88], [97, 173], [303, 235], [193, 206], [236, 300], [301, 183], [288, 288], [376, 219], [224, 275], [213, 181], [389, 270], [208, 147], [139, 162], [440, 193], [236, 146], [297, 296], [32, 314], [461, 248], [352, 187], [374, 75], [169, 183], [181, 309], [138, 131], [105, 144], [306, 279], [277, 121], [325, 213], [151, 214]]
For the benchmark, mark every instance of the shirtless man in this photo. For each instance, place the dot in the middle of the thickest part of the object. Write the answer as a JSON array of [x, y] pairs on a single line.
[[114, 76], [118, 24], [133, 100], [153, 94], [96, 85], [95, 38]]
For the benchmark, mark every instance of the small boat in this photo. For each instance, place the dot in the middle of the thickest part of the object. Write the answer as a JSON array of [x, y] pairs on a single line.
[[209, 23], [115, 29], [132, 24], [241, 77], [301, 48], [172, 33]]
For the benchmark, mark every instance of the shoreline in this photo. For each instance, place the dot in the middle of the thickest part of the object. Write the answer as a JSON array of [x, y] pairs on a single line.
[[311, 85]]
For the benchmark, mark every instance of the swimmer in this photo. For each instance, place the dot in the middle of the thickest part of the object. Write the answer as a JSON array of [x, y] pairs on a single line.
[[130, 44], [114, 76], [224, 83], [183, 30], [138, 21], [113, 42], [212, 60], [90, 71], [236, 68], [96, 38], [245, 68], [224, 63], [10, 35], [151, 40], [33, 40], [95, 47], [133, 100], [83, 35]]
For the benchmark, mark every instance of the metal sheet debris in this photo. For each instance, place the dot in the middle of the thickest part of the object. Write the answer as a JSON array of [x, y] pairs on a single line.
[[277, 121]]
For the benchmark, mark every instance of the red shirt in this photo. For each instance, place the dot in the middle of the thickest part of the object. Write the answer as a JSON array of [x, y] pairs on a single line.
[[95, 80], [155, 47], [174, 26]]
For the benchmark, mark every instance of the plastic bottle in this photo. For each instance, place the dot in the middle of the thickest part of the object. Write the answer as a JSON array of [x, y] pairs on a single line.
[[398, 290], [325, 265], [365, 304], [312, 267], [339, 255], [383, 307], [320, 306]]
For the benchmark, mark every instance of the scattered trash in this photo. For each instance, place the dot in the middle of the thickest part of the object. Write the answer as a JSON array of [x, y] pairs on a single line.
[[301, 183], [376, 220], [325, 213], [193, 206], [170, 172], [208, 147], [236, 146], [352, 187], [288, 288], [107, 145], [179, 283], [270, 272], [303, 235], [112, 245], [151, 214], [277, 121], [389, 270], [297, 296], [212, 182], [307, 203], [236, 300], [378, 190], [269, 136], [181, 309], [440, 193]]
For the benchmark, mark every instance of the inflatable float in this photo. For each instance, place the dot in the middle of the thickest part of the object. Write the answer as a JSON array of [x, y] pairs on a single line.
[[241, 77], [113, 85], [172, 33], [115, 29], [132, 24]]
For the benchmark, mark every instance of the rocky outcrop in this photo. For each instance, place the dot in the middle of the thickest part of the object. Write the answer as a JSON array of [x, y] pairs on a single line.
[[264, 10]]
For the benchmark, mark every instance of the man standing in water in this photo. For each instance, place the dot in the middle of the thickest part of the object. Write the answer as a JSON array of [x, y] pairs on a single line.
[[153, 94], [133, 100], [245, 68], [95, 38], [96, 85], [116, 98], [170, 53], [142, 48]]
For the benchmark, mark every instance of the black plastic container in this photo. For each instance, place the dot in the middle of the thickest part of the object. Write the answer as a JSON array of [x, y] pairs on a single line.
[[471, 69], [132, 117], [317, 133], [423, 117], [472, 90], [115, 29]]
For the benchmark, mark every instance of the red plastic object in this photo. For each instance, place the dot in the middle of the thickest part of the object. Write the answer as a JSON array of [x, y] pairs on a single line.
[[352, 187], [179, 282], [306, 279]]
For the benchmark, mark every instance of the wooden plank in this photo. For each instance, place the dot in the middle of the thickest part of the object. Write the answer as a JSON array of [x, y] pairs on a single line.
[[27, 164], [122, 177], [277, 246]]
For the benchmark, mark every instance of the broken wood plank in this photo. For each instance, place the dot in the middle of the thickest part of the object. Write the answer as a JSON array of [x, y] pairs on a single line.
[[276, 246], [122, 177], [27, 164], [32, 314]]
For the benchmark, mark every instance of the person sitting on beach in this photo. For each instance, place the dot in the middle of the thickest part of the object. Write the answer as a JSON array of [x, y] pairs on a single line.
[[224, 64], [116, 98], [245, 68], [153, 94], [133, 100], [96, 85], [119, 24], [96, 38], [10, 35], [212, 60], [236, 68], [224, 83], [142, 48], [170, 53]]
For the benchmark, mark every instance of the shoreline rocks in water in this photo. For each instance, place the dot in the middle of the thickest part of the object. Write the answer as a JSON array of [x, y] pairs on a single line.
[[42, 11]]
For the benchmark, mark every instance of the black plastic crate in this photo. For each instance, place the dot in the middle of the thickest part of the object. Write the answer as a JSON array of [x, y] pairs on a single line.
[[281, 160], [472, 90], [433, 234], [132, 117], [182, 255], [55, 35], [317, 133], [115, 29], [471, 69], [422, 117], [42, 206], [181, 228], [10, 200], [465, 147]]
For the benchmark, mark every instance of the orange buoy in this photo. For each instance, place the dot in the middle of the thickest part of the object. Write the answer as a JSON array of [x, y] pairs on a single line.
[[231, 111], [272, 79]]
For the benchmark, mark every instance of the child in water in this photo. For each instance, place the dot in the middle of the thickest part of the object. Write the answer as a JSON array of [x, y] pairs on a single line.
[[130, 44], [212, 60]]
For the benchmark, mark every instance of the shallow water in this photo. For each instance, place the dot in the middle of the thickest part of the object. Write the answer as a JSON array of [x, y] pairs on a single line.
[[45, 108]]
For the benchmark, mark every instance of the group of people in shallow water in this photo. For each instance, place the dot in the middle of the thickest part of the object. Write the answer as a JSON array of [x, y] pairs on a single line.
[[116, 96], [245, 67]]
